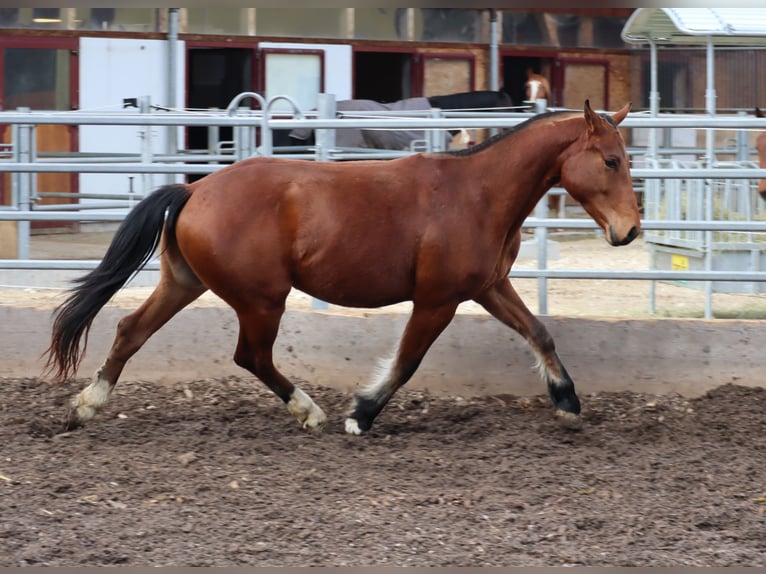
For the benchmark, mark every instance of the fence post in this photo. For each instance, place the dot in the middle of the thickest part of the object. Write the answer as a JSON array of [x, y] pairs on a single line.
[[541, 240], [325, 141], [435, 137], [213, 136], [147, 181], [324, 138], [23, 185]]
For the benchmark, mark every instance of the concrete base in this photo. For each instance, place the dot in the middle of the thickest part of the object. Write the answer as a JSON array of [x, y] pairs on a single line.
[[62, 278], [476, 355], [529, 249]]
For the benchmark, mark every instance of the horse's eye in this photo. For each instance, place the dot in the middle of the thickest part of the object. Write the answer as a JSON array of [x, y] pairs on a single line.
[[611, 163]]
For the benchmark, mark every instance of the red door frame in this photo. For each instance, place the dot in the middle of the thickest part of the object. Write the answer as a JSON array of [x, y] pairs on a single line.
[[48, 43]]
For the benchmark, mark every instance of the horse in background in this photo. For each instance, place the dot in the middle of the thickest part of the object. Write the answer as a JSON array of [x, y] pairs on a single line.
[[760, 146], [480, 100], [536, 87]]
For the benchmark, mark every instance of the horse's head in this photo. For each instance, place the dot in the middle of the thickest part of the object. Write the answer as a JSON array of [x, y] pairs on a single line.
[[596, 172], [536, 87], [760, 145]]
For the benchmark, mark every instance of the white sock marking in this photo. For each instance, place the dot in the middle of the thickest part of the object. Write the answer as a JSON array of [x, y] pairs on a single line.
[[352, 427], [93, 397], [380, 379], [303, 408]]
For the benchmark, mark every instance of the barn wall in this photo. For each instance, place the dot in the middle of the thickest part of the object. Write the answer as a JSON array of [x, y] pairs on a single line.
[[112, 69]]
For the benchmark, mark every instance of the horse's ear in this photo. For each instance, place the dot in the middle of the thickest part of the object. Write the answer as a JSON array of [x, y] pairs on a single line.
[[591, 118], [619, 115]]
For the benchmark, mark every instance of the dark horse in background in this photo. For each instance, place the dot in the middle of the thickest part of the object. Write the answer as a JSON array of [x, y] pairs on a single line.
[[395, 139], [432, 228]]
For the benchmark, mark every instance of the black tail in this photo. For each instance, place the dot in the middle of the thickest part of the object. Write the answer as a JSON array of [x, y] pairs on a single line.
[[132, 246]]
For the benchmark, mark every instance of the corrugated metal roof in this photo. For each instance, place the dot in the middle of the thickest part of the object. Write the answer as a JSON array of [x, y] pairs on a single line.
[[727, 26]]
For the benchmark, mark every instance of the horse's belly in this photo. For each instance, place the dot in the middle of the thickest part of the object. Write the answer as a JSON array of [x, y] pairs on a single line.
[[354, 287]]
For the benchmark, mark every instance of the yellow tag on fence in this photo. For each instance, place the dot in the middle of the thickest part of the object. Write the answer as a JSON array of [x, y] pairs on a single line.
[[679, 262]]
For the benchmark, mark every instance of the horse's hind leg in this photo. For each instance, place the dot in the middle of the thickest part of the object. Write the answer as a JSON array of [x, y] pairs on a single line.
[[422, 329], [258, 329], [504, 303], [168, 298]]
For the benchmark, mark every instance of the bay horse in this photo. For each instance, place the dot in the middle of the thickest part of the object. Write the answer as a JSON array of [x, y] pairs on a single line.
[[433, 228], [536, 87], [760, 146]]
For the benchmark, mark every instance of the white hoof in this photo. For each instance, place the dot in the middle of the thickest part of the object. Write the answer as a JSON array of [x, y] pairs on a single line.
[[306, 411], [92, 398], [352, 427], [84, 413], [569, 420]]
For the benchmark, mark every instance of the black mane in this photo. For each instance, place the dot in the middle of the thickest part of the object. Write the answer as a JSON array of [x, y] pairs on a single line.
[[514, 130]]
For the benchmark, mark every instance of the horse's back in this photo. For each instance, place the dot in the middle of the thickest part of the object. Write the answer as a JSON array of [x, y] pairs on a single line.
[[278, 222]]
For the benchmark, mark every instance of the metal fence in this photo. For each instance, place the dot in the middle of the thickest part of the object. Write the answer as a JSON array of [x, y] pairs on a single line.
[[252, 130]]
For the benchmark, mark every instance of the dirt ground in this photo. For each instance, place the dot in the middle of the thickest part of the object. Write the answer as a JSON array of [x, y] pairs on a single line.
[[217, 473]]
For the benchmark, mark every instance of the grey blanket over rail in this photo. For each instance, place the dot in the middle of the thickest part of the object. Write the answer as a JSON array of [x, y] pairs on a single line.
[[378, 139]]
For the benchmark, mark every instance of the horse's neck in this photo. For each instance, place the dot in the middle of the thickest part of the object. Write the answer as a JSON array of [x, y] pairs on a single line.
[[519, 169]]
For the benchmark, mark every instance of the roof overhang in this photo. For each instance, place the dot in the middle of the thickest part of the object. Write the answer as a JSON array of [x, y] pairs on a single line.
[[693, 26]]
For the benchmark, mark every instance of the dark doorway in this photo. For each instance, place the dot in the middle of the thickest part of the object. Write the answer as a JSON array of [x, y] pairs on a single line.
[[382, 76], [216, 75], [515, 75]]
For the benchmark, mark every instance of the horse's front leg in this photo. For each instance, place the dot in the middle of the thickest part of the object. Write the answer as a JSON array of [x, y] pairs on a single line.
[[423, 327], [504, 303]]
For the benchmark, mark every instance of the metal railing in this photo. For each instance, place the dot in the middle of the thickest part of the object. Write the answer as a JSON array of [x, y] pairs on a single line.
[[252, 136]]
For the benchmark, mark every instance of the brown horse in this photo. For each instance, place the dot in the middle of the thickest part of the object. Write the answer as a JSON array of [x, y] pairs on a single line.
[[760, 145], [434, 228], [536, 87]]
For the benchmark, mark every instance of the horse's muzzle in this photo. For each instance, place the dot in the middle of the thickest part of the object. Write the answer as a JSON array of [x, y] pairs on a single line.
[[615, 240]]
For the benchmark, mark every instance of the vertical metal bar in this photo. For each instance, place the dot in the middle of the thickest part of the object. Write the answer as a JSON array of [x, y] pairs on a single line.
[[324, 138], [325, 141], [172, 86], [213, 137], [147, 181], [652, 283], [654, 98], [23, 183], [494, 51], [710, 144], [541, 241], [436, 138]]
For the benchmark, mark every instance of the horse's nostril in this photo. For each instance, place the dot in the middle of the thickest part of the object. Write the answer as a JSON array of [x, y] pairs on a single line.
[[632, 234]]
